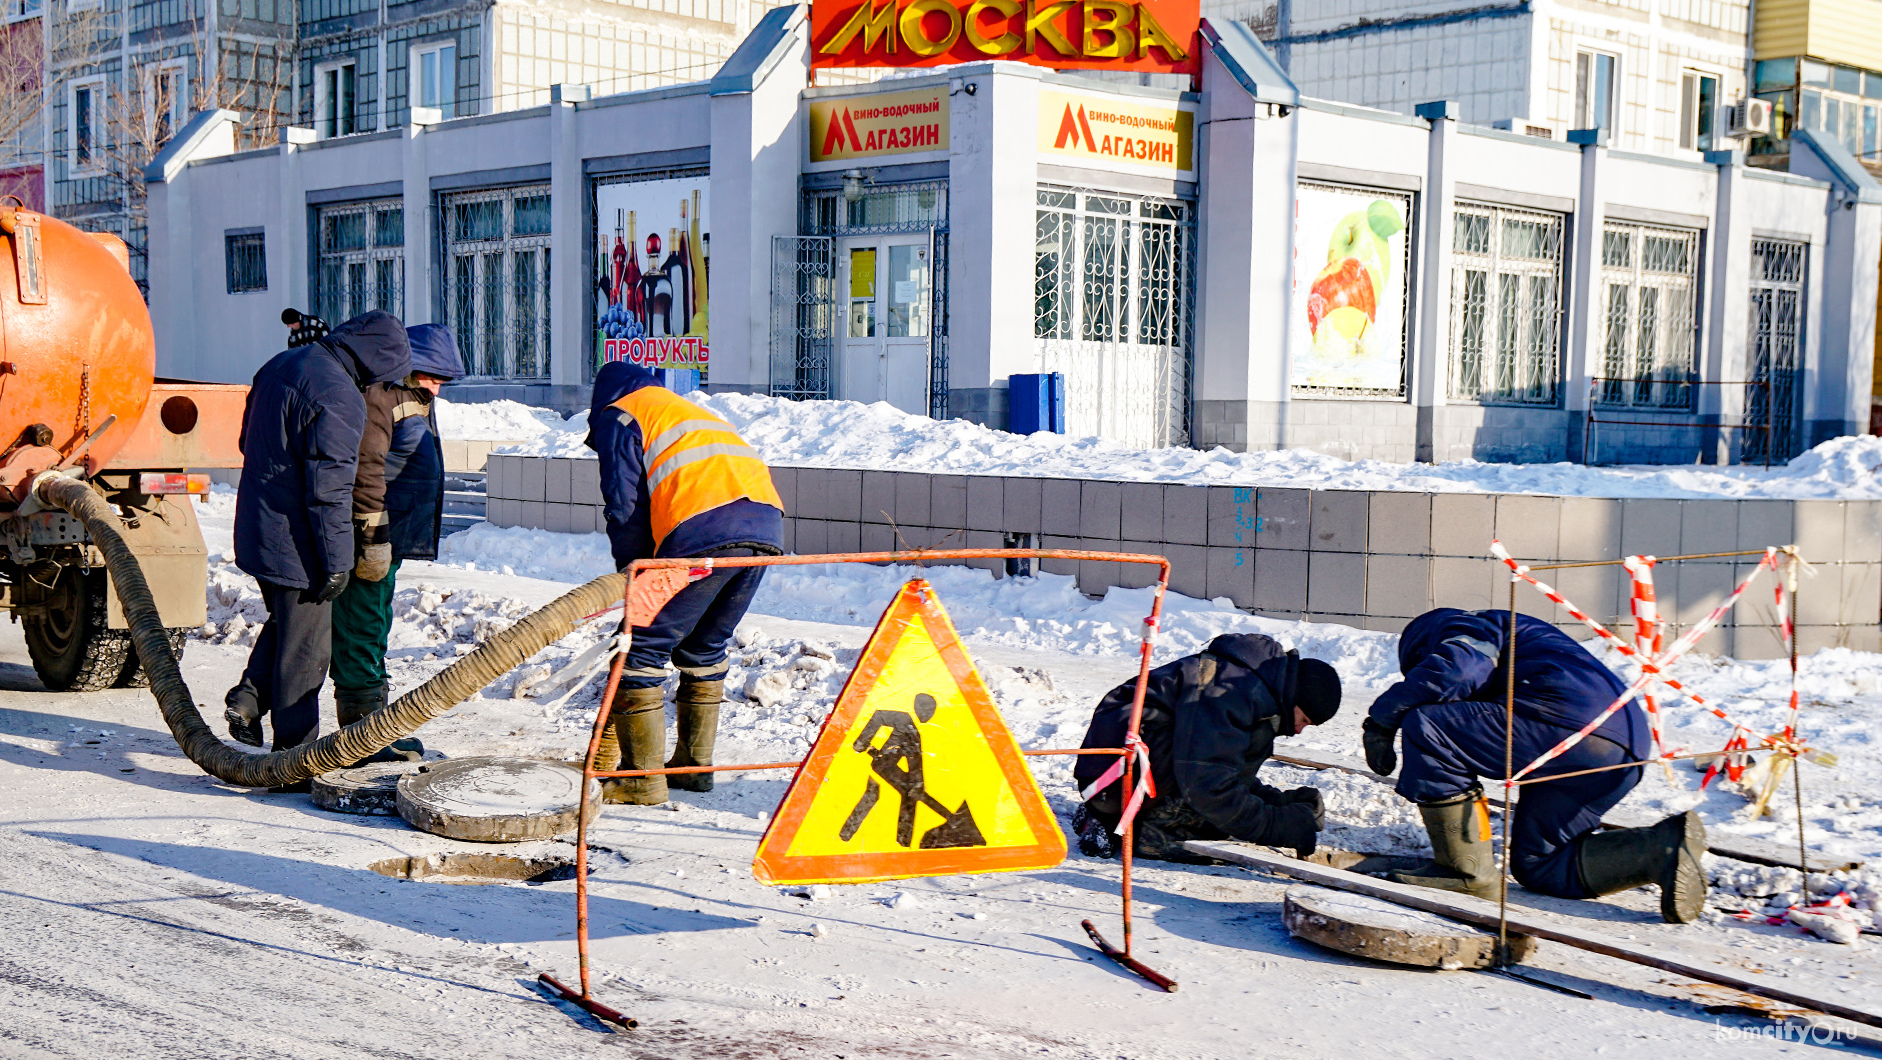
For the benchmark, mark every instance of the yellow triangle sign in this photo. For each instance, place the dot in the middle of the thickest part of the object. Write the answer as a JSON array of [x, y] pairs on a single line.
[[914, 773]]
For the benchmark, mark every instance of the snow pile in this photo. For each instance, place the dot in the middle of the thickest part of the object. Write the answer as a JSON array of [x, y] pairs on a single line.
[[574, 558], [424, 617], [495, 420], [848, 434], [1753, 891]]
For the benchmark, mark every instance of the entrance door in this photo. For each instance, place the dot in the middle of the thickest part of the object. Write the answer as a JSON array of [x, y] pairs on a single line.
[[888, 282]]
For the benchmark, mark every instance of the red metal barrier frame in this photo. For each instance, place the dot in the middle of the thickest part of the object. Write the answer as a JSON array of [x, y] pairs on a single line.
[[590, 773]]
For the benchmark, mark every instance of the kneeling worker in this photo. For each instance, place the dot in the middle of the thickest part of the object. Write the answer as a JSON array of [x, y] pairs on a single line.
[[1450, 708], [1210, 721], [676, 480], [398, 508]]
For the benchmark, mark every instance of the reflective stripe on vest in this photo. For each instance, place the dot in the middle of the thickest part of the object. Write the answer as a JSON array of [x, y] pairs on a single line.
[[695, 461]]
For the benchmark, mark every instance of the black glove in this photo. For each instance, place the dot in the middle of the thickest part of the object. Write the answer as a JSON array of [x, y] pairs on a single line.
[[335, 584], [1311, 798], [1377, 739], [1293, 825]]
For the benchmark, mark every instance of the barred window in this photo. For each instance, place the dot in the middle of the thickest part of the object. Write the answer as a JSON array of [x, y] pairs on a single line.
[[362, 259], [1776, 343], [1506, 296], [245, 253], [497, 280], [1650, 291], [1113, 287]]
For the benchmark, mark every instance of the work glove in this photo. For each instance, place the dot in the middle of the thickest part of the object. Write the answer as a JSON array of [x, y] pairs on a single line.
[[1377, 740], [375, 562], [1293, 826], [1311, 798], [326, 591]]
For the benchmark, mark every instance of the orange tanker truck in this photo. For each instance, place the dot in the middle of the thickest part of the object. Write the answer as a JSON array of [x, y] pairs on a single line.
[[79, 399]]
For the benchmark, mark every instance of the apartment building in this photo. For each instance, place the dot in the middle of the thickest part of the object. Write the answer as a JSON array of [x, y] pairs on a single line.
[[1654, 74], [1819, 62]]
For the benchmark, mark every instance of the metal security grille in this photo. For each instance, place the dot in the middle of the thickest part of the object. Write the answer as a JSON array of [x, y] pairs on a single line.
[[362, 260], [497, 280], [1776, 349], [803, 315], [1506, 298], [1650, 288], [1114, 309], [246, 261]]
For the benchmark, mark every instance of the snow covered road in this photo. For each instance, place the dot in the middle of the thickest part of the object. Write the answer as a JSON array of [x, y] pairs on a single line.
[[152, 911]]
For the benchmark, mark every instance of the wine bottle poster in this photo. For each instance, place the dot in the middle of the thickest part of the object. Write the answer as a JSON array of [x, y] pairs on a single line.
[[1348, 305], [653, 252]]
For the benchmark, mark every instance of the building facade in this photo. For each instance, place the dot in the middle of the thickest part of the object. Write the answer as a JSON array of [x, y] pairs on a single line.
[[1233, 265], [1819, 63], [1652, 73]]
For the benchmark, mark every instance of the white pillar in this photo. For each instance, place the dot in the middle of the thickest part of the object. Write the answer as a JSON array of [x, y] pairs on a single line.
[[568, 294], [991, 219], [757, 145], [1837, 394], [1728, 309], [1430, 354], [420, 230], [1581, 350]]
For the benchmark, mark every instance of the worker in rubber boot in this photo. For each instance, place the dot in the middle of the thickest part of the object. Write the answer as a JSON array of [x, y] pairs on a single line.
[[300, 441], [676, 480], [1210, 720], [1450, 711], [398, 509]]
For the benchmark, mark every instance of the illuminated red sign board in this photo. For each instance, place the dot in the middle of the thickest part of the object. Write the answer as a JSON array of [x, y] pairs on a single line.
[[1156, 36]]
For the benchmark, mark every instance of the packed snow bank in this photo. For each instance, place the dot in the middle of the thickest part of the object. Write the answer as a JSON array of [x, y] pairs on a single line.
[[878, 437], [495, 420]]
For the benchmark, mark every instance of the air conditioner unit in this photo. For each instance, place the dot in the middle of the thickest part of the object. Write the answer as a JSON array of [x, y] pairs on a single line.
[[1750, 117]]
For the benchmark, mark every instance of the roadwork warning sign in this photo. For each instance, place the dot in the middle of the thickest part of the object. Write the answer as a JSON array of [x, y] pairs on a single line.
[[914, 773]]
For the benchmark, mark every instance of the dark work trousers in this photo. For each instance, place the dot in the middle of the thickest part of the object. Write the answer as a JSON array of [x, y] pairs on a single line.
[[1447, 746], [692, 629], [362, 622], [287, 665]]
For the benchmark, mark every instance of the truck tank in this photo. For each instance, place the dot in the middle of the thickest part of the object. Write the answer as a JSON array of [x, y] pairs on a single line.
[[76, 348], [78, 399]]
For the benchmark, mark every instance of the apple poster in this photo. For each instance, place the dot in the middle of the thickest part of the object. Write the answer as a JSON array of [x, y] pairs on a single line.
[[1348, 305]]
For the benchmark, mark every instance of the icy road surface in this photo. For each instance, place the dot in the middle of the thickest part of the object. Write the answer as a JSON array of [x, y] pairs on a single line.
[[155, 912]]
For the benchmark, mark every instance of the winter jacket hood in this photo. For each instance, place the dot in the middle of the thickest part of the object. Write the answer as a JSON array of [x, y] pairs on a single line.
[[373, 348], [434, 351]]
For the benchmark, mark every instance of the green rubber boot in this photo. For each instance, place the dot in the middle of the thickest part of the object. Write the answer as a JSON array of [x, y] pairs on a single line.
[[698, 708], [1460, 847], [640, 716], [608, 752], [353, 705], [1668, 854]]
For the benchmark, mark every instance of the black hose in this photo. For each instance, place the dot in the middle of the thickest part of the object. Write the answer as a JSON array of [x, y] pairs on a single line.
[[458, 682]]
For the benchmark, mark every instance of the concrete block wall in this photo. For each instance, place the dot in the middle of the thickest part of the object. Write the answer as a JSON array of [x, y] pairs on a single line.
[[469, 454], [1368, 559]]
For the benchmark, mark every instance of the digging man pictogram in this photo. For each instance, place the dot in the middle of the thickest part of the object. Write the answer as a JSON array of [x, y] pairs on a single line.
[[899, 763]]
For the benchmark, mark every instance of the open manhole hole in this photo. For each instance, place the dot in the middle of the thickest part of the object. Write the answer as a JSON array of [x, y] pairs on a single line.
[[477, 868]]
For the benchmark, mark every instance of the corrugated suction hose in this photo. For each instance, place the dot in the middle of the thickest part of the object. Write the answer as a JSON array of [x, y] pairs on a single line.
[[461, 680]]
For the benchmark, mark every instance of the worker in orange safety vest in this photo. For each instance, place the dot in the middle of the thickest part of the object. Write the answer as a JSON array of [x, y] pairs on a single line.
[[676, 480]]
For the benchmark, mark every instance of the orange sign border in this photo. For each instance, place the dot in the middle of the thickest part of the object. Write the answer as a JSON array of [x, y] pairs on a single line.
[[915, 601]]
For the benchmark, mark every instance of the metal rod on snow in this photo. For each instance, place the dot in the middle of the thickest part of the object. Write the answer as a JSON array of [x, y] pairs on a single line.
[[1509, 791]]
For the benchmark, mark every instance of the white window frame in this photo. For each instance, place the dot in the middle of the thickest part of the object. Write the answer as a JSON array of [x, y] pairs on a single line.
[[99, 119], [80, 5], [178, 101], [1691, 115], [344, 123], [1506, 306], [414, 76], [1584, 100], [497, 287]]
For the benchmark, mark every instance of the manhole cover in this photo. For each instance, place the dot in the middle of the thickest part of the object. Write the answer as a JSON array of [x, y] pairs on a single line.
[[369, 789], [476, 868], [1385, 931], [495, 800]]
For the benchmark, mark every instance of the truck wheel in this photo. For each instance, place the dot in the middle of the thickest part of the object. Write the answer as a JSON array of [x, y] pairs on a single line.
[[133, 675], [72, 648]]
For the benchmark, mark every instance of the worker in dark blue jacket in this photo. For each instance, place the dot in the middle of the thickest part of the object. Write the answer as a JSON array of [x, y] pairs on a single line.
[[294, 513], [676, 480], [1450, 709], [398, 510]]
